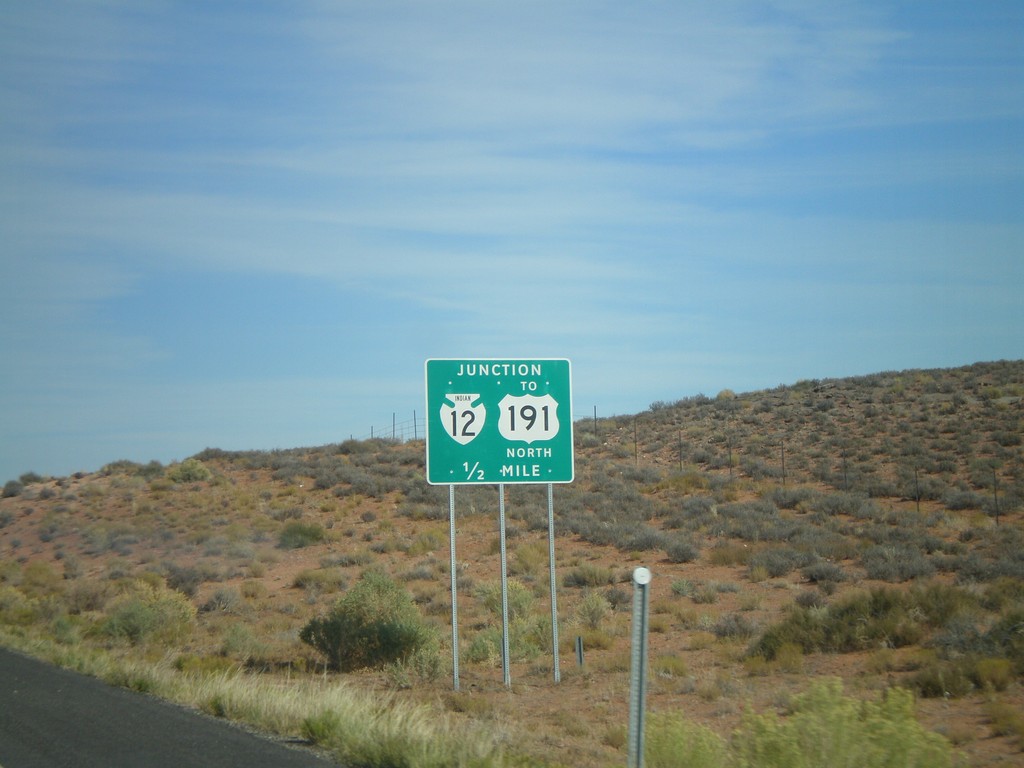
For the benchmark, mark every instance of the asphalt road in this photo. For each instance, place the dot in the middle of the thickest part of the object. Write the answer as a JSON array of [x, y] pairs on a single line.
[[52, 717]]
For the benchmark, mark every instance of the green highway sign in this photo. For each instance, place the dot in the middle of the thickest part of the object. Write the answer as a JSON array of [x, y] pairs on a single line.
[[499, 421]]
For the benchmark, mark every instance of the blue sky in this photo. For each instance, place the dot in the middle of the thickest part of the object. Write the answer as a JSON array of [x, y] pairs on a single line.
[[246, 225]]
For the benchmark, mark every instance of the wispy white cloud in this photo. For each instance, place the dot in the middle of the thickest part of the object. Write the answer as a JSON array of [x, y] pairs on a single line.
[[657, 191]]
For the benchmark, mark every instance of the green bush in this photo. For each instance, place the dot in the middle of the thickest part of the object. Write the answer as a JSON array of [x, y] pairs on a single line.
[[670, 741], [520, 598], [149, 613], [779, 561], [896, 563], [823, 728], [374, 624], [592, 610], [296, 535], [827, 728], [682, 550], [941, 679], [1006, 640], [588, 575], [15, 608], [523, 644], [190, 471], [862, 620]]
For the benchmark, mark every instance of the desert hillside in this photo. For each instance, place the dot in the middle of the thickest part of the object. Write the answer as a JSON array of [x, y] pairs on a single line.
[[868, 529]]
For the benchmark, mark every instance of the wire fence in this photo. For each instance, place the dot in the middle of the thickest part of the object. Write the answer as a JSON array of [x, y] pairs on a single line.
[[402, 431], [414, 428]]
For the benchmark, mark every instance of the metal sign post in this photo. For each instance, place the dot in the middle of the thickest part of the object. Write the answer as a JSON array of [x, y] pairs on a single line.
[[455, 596], [506, 672], [551, 571], [638, 667]]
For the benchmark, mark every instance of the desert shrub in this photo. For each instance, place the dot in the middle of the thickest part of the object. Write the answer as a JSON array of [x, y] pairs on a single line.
[[837, 503], [1006, 718], [730, 553], [520, 598], [669, 665], [670, 741], [226, 600], [1003, 592], [734, 625], [87, 596], [791, 497], [642, 539], [16, 608], [617, 598], [865, 620], [184, 578], [374, 624], [992, 674], [941, 603], [683, 587], [148, 612], [827, 728], [319, 579], [704, 594], [895, 563], [681, 550], [778, 561], [288, 470], [810, 599], [1006, 639], [823, 727], [296, 535], [355, 480], [758, 469], [699, 507], [12, 488], [240, 642], [528, 559], [824, 571], [50, 527], [485, 647], [588, 575], [347, 559], [860, 621], [39, 579], [645, 475], [287, 513], [189, 471], [940, 679], [816, 540], [592, 610], [790, 658], [429, 541], [753, 521]]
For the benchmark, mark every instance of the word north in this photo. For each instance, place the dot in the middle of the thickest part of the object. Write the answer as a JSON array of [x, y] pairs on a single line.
[[528, 453]]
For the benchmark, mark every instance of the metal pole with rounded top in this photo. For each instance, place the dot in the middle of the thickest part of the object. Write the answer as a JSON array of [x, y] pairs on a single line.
[[638, 666]]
